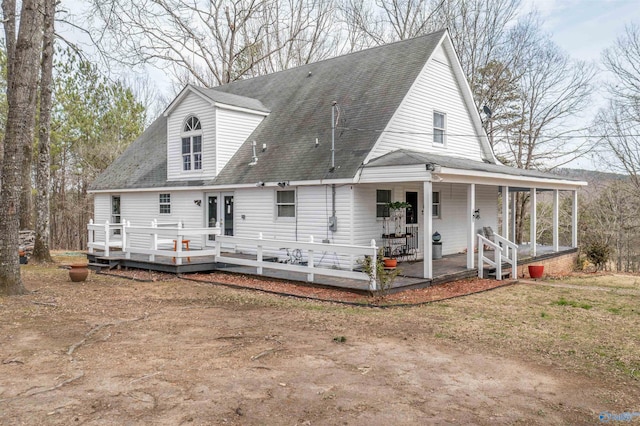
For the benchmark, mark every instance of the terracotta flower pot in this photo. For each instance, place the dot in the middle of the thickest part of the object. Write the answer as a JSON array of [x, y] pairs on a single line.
[[536, 271], [78, 272], [390, 263]]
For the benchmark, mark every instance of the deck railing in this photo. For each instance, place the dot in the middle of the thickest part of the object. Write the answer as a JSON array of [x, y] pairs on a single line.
[[160, 234], [300, 256], [303, 261], [504, 252]]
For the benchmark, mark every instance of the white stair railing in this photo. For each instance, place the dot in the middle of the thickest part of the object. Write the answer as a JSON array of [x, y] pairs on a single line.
[[504, 252]]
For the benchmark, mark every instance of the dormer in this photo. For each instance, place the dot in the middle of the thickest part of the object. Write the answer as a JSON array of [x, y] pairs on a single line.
[[205, 128]]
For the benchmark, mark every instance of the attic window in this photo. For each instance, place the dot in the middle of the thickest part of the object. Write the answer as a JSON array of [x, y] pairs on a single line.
[[439, 128], [192, 124], [192, 144]]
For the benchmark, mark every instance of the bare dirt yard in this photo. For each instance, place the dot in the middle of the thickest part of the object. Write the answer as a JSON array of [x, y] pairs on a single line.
[[177, 352]]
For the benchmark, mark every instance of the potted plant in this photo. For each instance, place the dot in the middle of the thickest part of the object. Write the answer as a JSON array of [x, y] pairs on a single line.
[[397, 209]]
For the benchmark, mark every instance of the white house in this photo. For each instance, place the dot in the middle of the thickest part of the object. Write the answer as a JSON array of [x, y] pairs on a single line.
[[318, 150]]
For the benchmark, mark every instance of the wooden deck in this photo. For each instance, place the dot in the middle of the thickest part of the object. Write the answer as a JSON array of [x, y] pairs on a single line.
[[448, 268]]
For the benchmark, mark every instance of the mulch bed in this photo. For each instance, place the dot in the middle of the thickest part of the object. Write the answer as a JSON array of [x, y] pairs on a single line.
[[303, 290]]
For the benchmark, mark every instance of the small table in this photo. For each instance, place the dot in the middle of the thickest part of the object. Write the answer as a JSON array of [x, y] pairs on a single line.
[[185, 245]]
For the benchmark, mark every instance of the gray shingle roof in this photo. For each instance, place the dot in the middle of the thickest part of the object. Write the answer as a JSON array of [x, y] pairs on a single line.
[[231, 99], [368, 86], [404, 157]]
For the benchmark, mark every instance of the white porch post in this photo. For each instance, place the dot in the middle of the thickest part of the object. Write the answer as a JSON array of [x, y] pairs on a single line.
[[574, 220], [471, 232], [513, 216], [533, 220], [427, 219], [505, 212], [556, 207]]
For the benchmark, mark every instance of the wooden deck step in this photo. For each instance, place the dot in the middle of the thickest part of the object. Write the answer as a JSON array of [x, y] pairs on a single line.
[[94, 266], [505, 273]]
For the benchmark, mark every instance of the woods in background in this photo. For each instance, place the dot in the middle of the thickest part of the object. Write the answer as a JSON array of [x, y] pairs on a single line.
[[528, 90]]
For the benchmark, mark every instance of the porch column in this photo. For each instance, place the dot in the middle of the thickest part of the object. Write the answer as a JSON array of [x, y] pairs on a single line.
[[532, 220], [505, 212], [556, 207], [574, 220], [427, 220], [471, 231], [513, 217]]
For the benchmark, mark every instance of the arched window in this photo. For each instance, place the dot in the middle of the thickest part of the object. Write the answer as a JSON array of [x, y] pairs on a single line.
[[192, 144]]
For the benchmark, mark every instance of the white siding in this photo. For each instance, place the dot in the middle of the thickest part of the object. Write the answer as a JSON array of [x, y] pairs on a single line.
[[101, 208], [313, 209], [452, 224], [140, 208], [436, 89], [366, 225], [233, 128], [192, 104]]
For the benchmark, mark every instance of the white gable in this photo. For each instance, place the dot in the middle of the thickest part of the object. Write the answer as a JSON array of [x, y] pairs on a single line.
[[191, 104], [224, 130], [435, 90]]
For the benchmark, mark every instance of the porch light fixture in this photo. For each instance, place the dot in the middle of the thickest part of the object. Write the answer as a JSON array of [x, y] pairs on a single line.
[[197, 202], [476, 214]]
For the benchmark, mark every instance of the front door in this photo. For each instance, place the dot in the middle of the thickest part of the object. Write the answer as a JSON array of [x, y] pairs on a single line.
[[212, 214], [413, 214], [220, 212]]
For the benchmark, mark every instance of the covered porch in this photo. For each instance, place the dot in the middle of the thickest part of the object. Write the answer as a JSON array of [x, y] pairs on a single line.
[[481, 212]]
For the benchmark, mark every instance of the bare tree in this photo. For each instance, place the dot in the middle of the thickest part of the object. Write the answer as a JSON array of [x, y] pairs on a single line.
[[22, 90], [43, 171], [214, 42], [619, 122]]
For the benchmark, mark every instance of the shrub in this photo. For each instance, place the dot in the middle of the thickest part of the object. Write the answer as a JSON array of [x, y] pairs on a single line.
[[598, 253]]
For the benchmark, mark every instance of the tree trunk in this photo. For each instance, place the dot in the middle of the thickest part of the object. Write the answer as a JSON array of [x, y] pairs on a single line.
[[25, 193], [9, 23], [22, 93], [43, 173]]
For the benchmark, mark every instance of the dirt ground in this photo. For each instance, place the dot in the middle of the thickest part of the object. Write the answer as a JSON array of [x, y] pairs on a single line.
[[113, 351]]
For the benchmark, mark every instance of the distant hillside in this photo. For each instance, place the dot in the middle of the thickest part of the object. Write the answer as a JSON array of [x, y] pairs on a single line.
[[590, 176]]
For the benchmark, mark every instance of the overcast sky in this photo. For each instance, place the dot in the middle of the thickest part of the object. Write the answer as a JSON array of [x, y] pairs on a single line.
[[586, 27]]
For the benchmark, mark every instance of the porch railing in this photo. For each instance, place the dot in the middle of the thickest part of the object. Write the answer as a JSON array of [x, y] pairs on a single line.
[[170, 234], [162, 234], [305, 262], [504, 252], [108, 240]]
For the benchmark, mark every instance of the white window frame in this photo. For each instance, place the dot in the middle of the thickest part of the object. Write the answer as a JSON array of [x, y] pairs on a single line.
[[116, 218], [440, 131], [166, 203], [436, 205], [192, 135], [280, 204], [383, 203]]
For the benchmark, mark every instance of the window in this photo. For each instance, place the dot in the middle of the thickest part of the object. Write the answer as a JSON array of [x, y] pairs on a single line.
[[165, 203], [435, 209], [286, 203], [383, 197], [439, 127], [115, 212], [192, 144]]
